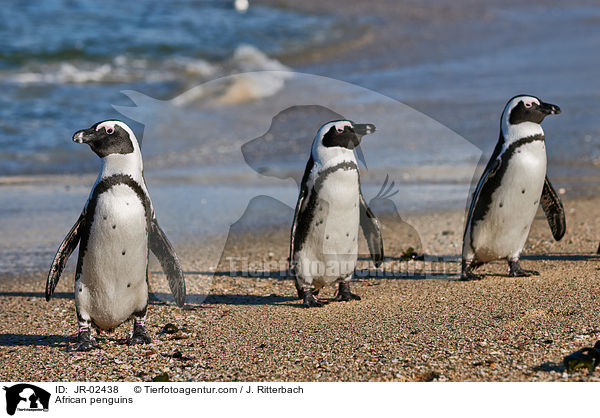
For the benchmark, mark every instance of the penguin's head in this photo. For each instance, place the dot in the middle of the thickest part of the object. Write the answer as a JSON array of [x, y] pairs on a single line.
[[523, 108], [339, 139], [107, 138], [343, 134]]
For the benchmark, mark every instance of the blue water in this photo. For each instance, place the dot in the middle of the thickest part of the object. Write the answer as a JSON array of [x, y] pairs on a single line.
[[60, 29], [64, 63]]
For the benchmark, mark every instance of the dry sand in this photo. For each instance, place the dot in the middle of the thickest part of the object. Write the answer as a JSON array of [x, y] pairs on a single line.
[[407, 328]]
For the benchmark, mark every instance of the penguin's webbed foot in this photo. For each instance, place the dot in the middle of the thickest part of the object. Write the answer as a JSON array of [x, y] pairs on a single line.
[[85, 342], [301, 292], [139, 335], [515, 270], [310, 300], [344, 294], [467, 273]]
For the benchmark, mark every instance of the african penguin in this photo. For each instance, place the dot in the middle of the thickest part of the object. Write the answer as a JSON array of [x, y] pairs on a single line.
[[115, 233], [510, 190], [330, 209]]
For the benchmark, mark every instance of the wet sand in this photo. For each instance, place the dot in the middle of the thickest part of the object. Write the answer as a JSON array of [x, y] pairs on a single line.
[[412, 326]]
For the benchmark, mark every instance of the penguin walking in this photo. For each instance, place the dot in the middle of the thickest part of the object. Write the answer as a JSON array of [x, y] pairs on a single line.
[[330, 209], [510, 190], [115, 233]]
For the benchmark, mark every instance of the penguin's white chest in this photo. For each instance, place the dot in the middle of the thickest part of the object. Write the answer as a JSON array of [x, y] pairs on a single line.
[[330, 251], [113, 277], [504, 230]]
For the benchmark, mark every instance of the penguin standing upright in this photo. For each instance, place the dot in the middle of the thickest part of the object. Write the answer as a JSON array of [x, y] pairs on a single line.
[[330, 209], [115, 233], [510, 190]]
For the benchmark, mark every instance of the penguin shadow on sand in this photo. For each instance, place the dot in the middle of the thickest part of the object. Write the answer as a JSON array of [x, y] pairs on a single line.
[[30, 340], [562, 257]]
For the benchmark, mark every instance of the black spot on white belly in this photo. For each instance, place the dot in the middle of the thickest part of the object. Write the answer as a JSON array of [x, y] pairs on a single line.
[[326, 236], [523, 191], [128, 284], [347, 234], [104, 217], [114, 226], [501, 204], [123, 252]]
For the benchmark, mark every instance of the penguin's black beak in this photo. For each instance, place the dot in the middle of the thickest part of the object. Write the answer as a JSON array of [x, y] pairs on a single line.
[[549, 109], [84, 136], [363, 128]]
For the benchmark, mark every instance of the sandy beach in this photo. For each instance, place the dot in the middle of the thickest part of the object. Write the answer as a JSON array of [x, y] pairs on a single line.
[[407, 327]]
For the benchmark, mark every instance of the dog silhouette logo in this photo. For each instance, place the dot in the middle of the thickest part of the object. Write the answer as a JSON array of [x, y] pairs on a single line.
[[26, 397]]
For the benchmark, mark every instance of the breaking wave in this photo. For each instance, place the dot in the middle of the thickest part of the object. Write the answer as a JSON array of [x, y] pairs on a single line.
[[122, 69]]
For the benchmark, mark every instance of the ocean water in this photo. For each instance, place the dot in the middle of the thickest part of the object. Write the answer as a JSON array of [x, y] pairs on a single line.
[[64, 63]]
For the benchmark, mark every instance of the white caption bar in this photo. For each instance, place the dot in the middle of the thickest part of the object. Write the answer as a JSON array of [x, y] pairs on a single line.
[[45, 400]]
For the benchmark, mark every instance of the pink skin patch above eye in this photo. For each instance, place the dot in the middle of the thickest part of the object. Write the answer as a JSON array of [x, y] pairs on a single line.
[[529, 102], [109, 129], [340, 127]]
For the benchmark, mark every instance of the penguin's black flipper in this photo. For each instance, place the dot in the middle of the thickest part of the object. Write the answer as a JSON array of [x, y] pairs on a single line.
[[372, 232], [553, 208], [300, 207], [62, 256], [477, 210], [163, 250], [297, 215]]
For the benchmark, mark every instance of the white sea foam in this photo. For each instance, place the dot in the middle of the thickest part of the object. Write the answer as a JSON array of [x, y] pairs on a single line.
[[119, 70], [244, 61], [248, 81]]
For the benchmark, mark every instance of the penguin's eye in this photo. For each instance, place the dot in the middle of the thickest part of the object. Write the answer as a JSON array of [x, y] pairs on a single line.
[[339, 130], [528, 104], [110, 130]]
